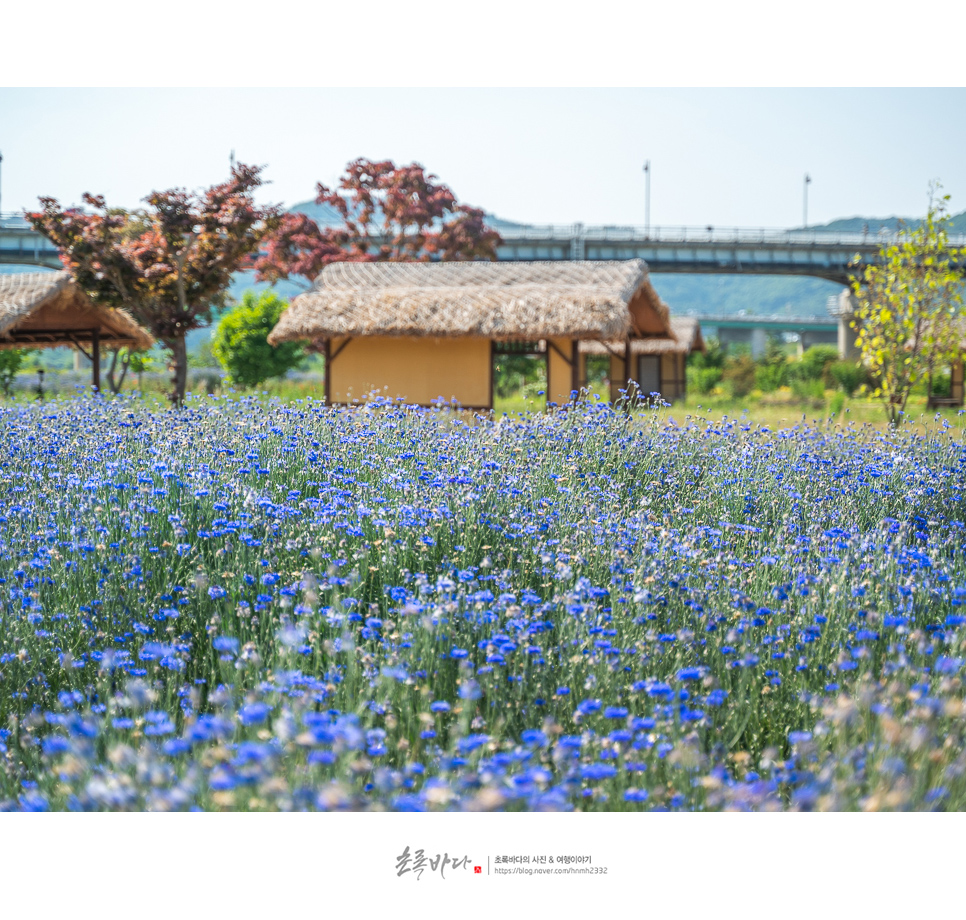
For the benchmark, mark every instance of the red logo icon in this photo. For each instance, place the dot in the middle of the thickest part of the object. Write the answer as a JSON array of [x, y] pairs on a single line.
[[477, 870]]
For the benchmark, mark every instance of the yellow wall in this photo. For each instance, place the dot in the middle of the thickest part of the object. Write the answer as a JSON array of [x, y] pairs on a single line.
[[560, 378], [418, 369]]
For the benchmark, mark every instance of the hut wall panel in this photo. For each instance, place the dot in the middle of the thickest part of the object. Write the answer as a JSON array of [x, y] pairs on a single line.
[[644, 317], [668, 382], [417, 369], [560, 372], [618, 378]]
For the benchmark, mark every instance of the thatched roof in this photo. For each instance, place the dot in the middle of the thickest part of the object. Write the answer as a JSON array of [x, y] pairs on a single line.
[[47, 310], [495, 300], [687, 338]]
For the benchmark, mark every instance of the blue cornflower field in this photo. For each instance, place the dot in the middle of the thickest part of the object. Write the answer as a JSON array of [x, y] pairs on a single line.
[[290, 607]]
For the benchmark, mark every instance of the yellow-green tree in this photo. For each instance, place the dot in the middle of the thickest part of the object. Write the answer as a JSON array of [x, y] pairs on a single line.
[[909, 304]]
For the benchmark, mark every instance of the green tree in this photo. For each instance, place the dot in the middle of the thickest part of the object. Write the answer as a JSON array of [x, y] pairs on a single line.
[[241, 344], [139, 362], [11, 360], [908, 305]]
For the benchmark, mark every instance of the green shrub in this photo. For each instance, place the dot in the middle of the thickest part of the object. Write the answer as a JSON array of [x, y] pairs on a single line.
[[241, 344], [739, 374], [848, 376], [838, 401], [769, 377], [712, 356], [814, 363], [702, 380], [805, 389]]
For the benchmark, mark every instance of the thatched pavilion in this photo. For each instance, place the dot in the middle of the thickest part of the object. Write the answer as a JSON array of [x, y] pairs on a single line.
[[656, 365], [48, 310], [428, 330]]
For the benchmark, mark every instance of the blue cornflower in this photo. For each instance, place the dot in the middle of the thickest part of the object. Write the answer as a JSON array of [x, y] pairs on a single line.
[[690, 674], [254, 713], [534, 736], [596, 771]]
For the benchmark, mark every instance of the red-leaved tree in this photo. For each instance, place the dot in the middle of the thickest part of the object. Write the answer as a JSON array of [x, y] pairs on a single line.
[[389, 214], [169, 264]]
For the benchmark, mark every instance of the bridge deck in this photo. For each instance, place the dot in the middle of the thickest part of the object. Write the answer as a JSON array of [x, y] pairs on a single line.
[[699, 250]]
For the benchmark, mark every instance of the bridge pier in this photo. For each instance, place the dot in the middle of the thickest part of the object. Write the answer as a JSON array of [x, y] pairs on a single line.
[[759, 342], [809, 337], [847, 337], [728, 336]]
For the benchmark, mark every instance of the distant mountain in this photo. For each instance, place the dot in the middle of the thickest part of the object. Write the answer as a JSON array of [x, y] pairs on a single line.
[[874, 224]]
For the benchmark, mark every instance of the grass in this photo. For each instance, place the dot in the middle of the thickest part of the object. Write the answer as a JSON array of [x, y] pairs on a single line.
[[254, 605]]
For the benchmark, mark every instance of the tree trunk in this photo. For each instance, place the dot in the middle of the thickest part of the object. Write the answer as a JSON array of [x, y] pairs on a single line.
[[179, 366], [117, 384]]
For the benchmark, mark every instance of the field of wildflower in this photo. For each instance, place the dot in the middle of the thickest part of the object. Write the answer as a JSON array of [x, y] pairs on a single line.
[[250, 606]]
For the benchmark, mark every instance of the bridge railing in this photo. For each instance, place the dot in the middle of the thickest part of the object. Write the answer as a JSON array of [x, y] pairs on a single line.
[[710, 234], [13, 220], [748, 236]]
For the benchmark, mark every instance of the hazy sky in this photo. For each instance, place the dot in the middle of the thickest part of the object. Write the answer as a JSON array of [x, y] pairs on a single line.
[[718, 156]]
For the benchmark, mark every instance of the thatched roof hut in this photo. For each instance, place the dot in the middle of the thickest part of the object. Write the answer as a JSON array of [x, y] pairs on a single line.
[[499, 301], [47, 310], [686, 332]]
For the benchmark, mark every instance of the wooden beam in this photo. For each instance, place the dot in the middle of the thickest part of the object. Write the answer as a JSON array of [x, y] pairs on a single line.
[[96, 360], [81, 349], [338, 351], [559, 352]]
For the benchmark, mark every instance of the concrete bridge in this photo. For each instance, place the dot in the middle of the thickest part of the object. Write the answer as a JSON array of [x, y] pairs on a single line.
[[701, 250], [20, 244], [693, 250], [705, 250], [754, 330]]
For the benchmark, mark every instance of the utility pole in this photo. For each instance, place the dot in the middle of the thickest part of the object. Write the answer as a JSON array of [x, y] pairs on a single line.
[[808, 179], [232, 158], [647, 198]]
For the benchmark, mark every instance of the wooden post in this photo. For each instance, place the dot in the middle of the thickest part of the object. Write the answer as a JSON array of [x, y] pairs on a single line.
[[627, 369], [96, 359], [575, 368], [492, 370], [326, 354]]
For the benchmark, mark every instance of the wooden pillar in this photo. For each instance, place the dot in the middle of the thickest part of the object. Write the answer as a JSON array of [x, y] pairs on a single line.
[[96, 359], [575, 368], [327, 370], [492, 370], [628, 374]]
